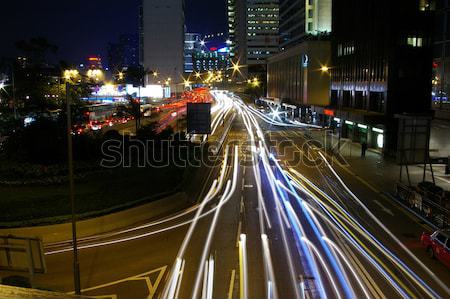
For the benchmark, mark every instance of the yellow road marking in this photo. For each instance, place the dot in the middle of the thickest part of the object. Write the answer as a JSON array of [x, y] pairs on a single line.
[[368, 251], [371, 187], [231, 288], [151, 287]]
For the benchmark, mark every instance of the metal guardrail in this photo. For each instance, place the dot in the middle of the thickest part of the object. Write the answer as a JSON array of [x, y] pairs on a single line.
[[434, 208]]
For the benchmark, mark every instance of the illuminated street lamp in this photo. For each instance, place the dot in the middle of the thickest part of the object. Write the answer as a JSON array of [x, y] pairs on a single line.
[[155, 74], [197, 75], [70, 76], [236, 66], [95, 74], [121, 76], [325, 69]]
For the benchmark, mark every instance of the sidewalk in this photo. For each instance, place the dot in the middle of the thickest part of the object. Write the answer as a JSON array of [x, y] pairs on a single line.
[[383, 173]]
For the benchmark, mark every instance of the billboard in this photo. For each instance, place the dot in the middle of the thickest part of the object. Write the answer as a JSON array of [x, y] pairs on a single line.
[[199, 118], [413, 139]]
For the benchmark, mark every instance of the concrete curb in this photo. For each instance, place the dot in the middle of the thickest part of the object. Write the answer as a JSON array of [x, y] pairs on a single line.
[[104, 224], [7, 292]]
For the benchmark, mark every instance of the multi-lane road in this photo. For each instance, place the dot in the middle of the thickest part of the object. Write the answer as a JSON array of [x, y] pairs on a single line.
[[275, 218]]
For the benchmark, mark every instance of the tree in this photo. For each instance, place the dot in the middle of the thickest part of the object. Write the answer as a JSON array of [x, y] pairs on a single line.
[[37, 83], [36, 49], [136, 75]]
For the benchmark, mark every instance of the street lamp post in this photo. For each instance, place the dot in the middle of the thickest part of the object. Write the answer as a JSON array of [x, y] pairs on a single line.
[[76, 266]]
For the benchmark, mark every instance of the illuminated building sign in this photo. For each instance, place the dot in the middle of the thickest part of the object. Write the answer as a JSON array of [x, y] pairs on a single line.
[[328, 112], [224, 50]]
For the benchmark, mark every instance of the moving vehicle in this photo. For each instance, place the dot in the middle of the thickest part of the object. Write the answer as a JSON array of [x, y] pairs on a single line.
[[438, 245]]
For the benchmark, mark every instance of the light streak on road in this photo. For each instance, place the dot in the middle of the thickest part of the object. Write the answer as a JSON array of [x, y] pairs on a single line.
[[362, 248], [317, 230], [324, 265], [271, 285], [280, 123], [400, 263], [229, 191], [280, 211], [243, 267], [209, 294], [177, 293], [176, 273], [208, 279], [215, 189], [349, 266], [335, 254], [373, 258]]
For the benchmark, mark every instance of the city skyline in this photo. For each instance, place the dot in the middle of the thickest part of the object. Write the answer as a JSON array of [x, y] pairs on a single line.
[[92, 24]]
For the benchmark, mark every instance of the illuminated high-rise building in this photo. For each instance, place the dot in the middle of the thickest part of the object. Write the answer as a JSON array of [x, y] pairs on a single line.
[[302, 18], [253, 31]]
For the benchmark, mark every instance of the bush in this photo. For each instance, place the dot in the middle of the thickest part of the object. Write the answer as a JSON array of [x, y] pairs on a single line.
[[16, 281], [44, 142]]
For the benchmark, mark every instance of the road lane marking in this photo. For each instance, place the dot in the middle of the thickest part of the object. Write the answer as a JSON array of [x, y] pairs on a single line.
[[152, 289], [248, 186], [238, 233], [368, 185], [231, 288], [383, 208], [243, 278]]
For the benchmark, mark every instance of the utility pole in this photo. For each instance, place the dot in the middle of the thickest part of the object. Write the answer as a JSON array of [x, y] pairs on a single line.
[[76, 265], [14, 90]]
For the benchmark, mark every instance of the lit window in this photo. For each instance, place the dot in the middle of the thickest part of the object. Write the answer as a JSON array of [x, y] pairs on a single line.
[[415, 42]]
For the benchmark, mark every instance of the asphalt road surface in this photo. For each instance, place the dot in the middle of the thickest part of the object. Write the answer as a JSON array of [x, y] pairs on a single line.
[[275, 218]]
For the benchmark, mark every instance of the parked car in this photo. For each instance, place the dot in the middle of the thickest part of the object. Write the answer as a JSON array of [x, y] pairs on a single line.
[[438, 245]]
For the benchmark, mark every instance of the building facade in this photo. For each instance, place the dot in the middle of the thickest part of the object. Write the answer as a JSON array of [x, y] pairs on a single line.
[[213, 60], [295, 77], [300, 19], [162, 39], [192, 45], [381, 66], [441, 65], [253, 31]]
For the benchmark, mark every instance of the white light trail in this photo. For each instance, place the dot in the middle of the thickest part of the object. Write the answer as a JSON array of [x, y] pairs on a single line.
[[271, 285], [406, 269], [215, 188], [243, 270], [349, 266], [229, 191]]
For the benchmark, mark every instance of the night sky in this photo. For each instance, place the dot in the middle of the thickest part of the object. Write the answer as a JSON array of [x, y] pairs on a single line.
[[84, 27]]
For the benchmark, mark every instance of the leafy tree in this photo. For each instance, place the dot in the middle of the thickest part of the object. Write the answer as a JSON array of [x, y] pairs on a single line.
[[37, 83]]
